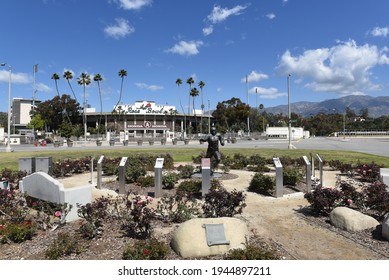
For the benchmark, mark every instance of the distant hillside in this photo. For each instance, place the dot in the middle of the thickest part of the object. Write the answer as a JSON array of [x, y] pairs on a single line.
[[377, 106]]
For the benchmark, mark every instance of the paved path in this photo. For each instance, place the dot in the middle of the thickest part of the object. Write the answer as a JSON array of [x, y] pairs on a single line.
[[375, 146]]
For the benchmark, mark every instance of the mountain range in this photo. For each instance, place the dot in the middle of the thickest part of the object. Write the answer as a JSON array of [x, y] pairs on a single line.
[[377, 106]]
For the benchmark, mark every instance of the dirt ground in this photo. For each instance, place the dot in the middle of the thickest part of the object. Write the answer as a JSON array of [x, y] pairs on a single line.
[[278, 219]]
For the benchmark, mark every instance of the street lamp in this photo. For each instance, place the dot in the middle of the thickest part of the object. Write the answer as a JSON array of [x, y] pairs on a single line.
[[8, 148]]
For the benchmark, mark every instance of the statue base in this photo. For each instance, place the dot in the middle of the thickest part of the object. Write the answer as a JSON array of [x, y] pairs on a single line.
[[214, 175]]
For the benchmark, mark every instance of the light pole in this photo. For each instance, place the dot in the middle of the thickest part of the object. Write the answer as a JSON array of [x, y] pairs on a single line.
[[289, 115], [8, 148]]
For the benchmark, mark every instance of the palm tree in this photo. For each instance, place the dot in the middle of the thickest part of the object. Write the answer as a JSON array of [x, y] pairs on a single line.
[[122, 73], [84, 80], [194, 92], [69, 76], [55, 77], [189, 81], [201, 85], [179, 82], [97, 78]]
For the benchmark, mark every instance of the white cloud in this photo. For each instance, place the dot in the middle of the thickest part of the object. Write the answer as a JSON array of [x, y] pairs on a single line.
[[271, 16], [219, 14], [380, 32], [254, 77], [133, 4], [186, 48], [120, 30], [16, 78], [149, 87], [344, 69], [267, 93], [41, 87], [208, 30]]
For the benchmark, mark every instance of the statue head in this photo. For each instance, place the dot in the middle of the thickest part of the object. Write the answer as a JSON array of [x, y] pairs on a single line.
[[213, 130]]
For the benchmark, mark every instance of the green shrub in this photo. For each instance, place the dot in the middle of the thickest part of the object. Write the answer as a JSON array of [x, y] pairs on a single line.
[[65, 244], [291, 176], [150, 249], [324, 200], [17, 232], [169, 180], [146, 181], [178, 208], [190, 186], [252, 251], [134, 169], [221, 203], [185, 171], [261, 183]]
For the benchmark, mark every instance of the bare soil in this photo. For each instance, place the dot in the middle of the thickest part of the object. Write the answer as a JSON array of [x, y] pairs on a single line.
[[283, 224]]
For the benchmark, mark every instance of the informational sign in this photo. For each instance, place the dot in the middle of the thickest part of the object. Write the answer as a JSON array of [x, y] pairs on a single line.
[[123, 161], [206, 163], [159, 163], [215, 234], [277, 162]]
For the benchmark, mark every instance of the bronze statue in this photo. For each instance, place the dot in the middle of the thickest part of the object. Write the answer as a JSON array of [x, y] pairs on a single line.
[[213, 146]]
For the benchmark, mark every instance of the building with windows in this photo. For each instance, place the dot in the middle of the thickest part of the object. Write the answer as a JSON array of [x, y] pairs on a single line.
[[146, 119]]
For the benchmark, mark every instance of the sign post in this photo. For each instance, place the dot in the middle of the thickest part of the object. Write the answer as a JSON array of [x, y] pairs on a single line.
[[158, 177], [279, 178], [308, 173], [122, 175], [320, 169], [206, 176], [99, 171]]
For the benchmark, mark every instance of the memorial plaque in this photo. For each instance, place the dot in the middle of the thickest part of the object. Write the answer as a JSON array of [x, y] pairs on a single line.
[[123, 161], [206, 163], [215, 234], [101, 160], [159, 163], [277, 162], [307, 162]]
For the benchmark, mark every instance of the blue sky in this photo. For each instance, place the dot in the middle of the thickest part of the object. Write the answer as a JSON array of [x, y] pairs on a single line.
[[331, 48]]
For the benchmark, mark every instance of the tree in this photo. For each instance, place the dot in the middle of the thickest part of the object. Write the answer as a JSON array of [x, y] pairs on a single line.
[[194, 92], [97, 78], [178, 83], [36, 122], [84, 80], [231, 115], [122, 73], [69, 76], [55, 77], [52, 111], [189, 81], [201, 85]]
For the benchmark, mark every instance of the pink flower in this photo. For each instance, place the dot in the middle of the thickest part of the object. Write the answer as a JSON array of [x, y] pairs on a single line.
[[57, 214], [349, 201], [150, 199], [139, 202]]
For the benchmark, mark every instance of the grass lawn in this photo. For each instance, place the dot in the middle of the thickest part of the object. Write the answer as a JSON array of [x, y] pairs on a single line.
[[10, 160]]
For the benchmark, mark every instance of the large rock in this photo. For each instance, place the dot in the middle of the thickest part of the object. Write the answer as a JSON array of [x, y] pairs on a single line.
[[351, 220], [190, 241], [385, 227]]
